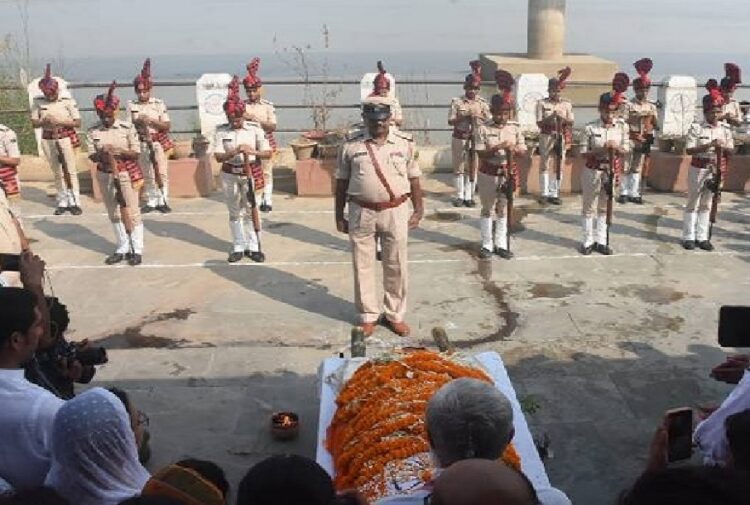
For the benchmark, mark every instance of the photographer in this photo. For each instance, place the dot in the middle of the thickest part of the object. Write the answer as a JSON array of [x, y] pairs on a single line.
[[58, 364]]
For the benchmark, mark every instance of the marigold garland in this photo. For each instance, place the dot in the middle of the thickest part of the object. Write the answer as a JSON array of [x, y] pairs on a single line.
[[379, 421]]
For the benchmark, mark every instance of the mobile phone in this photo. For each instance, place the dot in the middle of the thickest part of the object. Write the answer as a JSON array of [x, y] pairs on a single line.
[[679, 423], [10, 263], [734, 326]]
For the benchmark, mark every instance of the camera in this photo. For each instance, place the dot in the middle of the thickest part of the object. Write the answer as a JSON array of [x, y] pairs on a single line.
[[87, 357]]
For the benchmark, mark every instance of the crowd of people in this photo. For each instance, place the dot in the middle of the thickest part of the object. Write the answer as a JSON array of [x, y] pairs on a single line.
[[58, 447]]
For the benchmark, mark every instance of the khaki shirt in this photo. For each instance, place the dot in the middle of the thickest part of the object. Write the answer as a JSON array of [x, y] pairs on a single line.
[[8, 143], [635, 110], [546, 107], [396, 113], [733, 109], [397, 159], [261, 111], [598, 134], [250, 134], [154, 109], [62, 109], [10, 241], [703, 133], [491, 135], [121, 135], [478, 107]]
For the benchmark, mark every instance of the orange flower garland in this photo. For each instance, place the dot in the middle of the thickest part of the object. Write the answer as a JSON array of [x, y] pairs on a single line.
[[379, 422]]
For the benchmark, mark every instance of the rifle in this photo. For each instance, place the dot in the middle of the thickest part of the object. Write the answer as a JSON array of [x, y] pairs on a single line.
[[146, 137], [716, 187], [251, 198], [610, 188], [510, 189], [125, 217], [64, 165], [646, 145], [559, 149]]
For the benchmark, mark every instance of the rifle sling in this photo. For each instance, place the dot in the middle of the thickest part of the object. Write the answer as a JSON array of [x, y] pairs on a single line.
[[379, 172]]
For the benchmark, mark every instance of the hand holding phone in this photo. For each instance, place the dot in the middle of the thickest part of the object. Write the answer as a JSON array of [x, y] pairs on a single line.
[[679, 426], [734, 326]]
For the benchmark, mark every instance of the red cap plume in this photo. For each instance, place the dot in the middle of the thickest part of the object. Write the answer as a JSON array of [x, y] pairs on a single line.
[[714, 97], [144, 78], [643, 67], [234, 106], [474, 79], [733, 77], [48, 84], [252, 79], [381, 81], [558, 82], [505, 82], [108, 102]]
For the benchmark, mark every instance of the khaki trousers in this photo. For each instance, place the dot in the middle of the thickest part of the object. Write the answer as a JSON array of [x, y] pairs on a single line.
[[244, 237], [65, 198], [268, 178], [492, 195], [634, 162], [698, 205], [106, 183], [594, 189], [153, 195], [458, 156], [392, 225]]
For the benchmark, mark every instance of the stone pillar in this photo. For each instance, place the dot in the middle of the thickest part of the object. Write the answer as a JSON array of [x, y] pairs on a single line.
[[546, 29]]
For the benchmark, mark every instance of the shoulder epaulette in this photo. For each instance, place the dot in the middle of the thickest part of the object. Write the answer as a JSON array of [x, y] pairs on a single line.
[[251, 124], [404, 135], [265, 102], [355, 134]]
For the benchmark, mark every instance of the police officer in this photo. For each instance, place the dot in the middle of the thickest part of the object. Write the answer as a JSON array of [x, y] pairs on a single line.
[[377, 174], [58, 117], [499, 142], [709, 143], [466, 114], [641, 116], [606, 136], [260, 111], [116, 150], [151, 119], [10, 158], [554, 117], [240, 145], [730, 111]]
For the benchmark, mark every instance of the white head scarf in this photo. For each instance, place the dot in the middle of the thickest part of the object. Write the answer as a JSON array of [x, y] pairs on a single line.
[[94, 453]]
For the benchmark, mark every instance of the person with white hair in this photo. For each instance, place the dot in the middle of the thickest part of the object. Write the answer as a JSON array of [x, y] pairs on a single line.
[[94, 451], [469, 419]]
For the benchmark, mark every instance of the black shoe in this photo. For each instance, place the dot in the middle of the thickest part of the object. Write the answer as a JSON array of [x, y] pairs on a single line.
[[706, 245], [503, 253], [587, 250], [470, 203], [636, 199], [264, 207], [59, 211], [688, 245], [257, 256], [135, 259], [543, 200], [147, 208], [76, 210], [554, 200], [457, 202], [485, 253], [234, 257], [164, 209], [114, 258], [622, 199], [603, 249], [379, 255]]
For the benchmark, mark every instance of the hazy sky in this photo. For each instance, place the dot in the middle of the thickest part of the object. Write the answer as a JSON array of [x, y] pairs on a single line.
[[79, 28]]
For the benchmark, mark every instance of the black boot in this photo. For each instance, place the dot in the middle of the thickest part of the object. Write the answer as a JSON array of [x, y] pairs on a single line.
[[604, 249], [76, 210], [586, 250], [688, 245], [256, 256], [485, 253], [706, 245], [622, 199], [234, 257], [503, 253], [135, 259], [114, 258]]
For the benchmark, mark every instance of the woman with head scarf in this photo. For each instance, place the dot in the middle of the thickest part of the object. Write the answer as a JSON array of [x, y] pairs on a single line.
[[498, 141], [607, 140], [151, 120], [94, 452], [115, 151], [709, 143]]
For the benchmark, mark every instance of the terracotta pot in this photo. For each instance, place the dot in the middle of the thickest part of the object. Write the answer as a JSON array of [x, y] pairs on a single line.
[[303, 150], [284, 426]]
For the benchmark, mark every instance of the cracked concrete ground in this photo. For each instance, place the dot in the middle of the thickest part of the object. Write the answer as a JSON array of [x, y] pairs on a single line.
[[598, 347]]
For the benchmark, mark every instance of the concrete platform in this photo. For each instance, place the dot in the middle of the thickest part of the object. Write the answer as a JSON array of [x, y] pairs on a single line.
[[598, 347]]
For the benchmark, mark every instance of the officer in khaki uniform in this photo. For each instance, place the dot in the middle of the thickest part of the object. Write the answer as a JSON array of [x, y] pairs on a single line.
[[554, 116], [377, 174], [237, 142], [151, 120], [731, 112], [605, 135], [640, 115], [467, 112], [261, 112], [116, 150], [12, 239], [58, 117], [496, 139], [10, 158], [381, 94], [706, 141]]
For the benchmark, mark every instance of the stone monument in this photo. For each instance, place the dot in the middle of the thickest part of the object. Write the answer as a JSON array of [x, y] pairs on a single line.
[[546, 54]]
